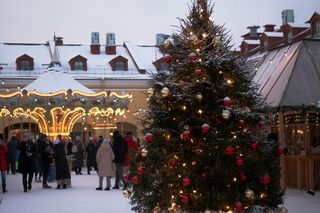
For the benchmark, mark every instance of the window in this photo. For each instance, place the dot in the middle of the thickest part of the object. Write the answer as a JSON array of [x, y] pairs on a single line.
[[24, 65], [289, 36], [164, 66], [265, 44], [78, 65], [119, 65], [318, 28]]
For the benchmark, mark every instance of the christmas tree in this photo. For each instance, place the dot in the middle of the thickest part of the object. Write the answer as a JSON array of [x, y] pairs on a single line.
[[206, 146]]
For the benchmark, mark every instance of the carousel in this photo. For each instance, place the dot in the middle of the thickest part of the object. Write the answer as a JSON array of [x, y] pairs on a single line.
[[56, 102]]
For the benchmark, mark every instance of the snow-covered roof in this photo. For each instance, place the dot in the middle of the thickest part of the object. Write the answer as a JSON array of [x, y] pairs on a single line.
[[254, 42], [289, 76], [145, 55], [10, 52], [299, 25], [55, 80], [273, 34]]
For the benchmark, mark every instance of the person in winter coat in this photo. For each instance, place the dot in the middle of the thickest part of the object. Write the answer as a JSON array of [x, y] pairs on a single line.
[[27, 162], [132, 150], [77, 152], [91, 155], [45, 151], [39, 166], [3, 163], [120, 149], [104, 159], [12, 152], [62, 169]]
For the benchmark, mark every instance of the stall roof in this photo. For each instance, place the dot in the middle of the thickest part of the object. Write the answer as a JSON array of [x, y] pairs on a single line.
[[290, 75]]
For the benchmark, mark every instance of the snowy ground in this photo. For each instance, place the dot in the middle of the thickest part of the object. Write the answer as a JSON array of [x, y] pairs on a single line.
[[83, 198]]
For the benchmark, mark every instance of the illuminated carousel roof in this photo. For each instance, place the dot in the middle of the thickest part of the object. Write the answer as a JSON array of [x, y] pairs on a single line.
[[55, 80]]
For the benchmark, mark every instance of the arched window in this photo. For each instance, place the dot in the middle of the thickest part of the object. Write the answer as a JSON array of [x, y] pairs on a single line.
[[78, 63], [24, 62], [119, 63]]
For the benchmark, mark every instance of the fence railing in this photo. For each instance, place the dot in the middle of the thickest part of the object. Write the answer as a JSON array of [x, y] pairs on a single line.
[[301, 172]]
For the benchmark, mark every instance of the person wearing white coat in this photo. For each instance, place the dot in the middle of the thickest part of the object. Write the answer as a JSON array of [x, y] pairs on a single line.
[[104, 159]]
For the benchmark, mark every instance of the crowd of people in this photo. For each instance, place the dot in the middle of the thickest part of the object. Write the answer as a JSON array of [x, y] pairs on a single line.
[[43, 160]]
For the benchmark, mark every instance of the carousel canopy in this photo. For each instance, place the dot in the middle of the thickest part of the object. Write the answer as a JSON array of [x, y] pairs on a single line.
[[55, 80], [290, 75]]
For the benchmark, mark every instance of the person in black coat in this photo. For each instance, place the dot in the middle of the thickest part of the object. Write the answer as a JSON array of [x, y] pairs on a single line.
[[45, 151], [61, 162], [12, 151], [27, 162], [120, 149], [91, 155]]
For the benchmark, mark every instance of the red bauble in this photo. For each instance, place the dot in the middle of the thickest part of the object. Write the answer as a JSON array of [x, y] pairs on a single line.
[[261, 124], [126, 177], [242, 123], [238, 207], [149, 137], [167, 58], [227, 101], [135, 180], [280, 151], [229, 151], [192, 57], [205, 128], [185, 199], [243, 177], [186, 135], [239, 162], [140, 170], [198, 73], [265, 179], [280, 168], [186, 181], [173, 162], [254, 146]]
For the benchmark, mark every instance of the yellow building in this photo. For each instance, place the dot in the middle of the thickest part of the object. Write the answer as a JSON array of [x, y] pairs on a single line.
[[104, 83]]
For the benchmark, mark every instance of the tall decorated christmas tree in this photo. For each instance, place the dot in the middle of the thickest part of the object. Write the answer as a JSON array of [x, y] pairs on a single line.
[[206, 147]]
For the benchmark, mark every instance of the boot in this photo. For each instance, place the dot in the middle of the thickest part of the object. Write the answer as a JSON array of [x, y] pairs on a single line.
[[79, 169], [46, 186], [64, 186], [99, 188], [58, 186], [4, 188]]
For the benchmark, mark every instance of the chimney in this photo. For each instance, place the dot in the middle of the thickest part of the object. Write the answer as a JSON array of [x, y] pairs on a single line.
[[58, 40], [95, 44], [111, 44], [287, 16], [253, 30], [269, 27], [160, 38]]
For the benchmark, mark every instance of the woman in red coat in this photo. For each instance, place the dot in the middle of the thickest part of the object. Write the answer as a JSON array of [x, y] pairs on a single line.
[[3, 163]]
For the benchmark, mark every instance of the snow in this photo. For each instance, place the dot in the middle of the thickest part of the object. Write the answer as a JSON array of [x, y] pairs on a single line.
[[83, 198], [55, 80], [10, 52], [274, 34], [135, 56], [255, 42], [299, 25]]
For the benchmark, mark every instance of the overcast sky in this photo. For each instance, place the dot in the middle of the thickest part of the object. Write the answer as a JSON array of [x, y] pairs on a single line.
[[132, 20]]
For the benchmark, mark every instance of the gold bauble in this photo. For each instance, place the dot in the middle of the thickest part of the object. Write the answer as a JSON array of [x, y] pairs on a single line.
[[144, 152], [150, 92], [282, 210], [165, 92], [249, 194], [199, 96], [126, 193]]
